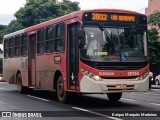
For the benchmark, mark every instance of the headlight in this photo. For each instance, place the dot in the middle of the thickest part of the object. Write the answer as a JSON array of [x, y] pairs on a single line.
[[91, 75], [142, 77], [151, 79]]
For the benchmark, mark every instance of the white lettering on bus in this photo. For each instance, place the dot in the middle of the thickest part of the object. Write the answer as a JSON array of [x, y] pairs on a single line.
[[133, 73], [106, 73]]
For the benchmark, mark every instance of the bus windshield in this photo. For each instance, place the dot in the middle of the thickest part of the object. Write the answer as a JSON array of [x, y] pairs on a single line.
[[114, 44]]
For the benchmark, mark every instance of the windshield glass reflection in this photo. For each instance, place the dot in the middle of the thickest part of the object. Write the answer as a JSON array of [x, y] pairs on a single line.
[[113, 44]]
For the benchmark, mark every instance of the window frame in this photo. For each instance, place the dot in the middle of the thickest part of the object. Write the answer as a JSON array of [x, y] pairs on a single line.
[[17, 46], [11, 46], [61, 37], [6, 48], [23, 44], [50, 40], [40, 41]]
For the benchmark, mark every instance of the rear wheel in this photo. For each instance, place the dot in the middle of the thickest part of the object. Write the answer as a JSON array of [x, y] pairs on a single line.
[[61, 93], [114, 97], [20, 87]]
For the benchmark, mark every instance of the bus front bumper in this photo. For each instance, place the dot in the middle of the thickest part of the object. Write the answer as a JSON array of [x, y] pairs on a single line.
[[88, 85]]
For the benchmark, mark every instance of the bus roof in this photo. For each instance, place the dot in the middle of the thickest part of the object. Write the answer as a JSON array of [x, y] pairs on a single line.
[[14, 33], [77, 14], [67, 17]]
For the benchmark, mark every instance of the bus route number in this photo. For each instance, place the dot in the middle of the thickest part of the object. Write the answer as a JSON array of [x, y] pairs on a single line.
[[99, 16]]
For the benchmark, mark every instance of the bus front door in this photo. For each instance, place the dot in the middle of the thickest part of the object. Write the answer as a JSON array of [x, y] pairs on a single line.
[[72, 57], [31, 62]]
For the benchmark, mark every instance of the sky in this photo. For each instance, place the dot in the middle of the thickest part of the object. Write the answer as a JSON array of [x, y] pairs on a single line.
[[9, 7]]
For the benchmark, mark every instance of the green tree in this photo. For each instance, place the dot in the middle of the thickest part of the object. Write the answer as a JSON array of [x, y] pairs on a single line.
[[37, 11], [153, 35], [154, 46], [154, 18], [2, 27], [14, 25]]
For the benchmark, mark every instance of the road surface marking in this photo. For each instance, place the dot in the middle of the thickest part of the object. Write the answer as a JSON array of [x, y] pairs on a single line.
[[154, 104], [96, 113], [38, 98], [151, 94], [155, 89], [128, 99], [140, 101], [2, 89]]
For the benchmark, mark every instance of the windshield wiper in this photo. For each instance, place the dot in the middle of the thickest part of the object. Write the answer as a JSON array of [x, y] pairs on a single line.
[[107, 34]]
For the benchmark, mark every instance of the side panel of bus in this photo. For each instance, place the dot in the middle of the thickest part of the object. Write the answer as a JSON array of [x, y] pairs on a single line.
[[15, 58], [49, 61]]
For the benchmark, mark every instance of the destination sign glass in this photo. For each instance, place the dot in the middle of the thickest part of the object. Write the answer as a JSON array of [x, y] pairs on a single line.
[[99, 16], [129, 18], [115, 17]]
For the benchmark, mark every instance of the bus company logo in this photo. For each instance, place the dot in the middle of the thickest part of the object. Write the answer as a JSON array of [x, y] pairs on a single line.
[[106, 73], [133, 73], [6, 114]]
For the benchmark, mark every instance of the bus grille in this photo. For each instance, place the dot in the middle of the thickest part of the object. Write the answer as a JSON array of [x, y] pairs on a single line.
[[103, 67]]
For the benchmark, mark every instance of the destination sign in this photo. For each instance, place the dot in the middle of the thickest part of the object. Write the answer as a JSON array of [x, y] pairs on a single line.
[[114, 17], [123, 18], [101, 16]]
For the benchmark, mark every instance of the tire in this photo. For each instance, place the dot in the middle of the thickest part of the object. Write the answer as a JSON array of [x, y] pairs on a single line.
[[150, 83], [20, 88], [114, 97], [157, 82], [61, 93]]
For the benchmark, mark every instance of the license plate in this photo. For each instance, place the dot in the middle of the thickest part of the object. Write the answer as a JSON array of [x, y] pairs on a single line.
[[121, 86]]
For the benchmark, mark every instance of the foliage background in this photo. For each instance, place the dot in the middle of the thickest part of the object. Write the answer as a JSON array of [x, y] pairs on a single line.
[[37, 11]]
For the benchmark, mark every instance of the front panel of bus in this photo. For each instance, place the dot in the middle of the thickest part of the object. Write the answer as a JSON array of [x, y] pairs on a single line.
[[114, 54]]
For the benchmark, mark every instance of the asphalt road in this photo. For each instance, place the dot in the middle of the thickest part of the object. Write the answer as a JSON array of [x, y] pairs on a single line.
[[86, 107]]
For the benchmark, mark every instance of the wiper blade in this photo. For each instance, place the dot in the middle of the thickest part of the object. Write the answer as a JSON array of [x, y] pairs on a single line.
[[107, 34]]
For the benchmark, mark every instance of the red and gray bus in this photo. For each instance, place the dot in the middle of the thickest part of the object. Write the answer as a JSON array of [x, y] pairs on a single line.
[[102, 51]]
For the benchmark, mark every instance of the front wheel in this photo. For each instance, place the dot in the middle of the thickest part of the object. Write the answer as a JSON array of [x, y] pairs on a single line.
[[61, 93], [114, 97]]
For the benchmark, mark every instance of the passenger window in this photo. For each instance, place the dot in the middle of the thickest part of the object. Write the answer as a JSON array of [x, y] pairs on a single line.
[[23, 45], [40, 42], [6, 48], [17, 46], [59, 37], [49, 39], [11, 47]]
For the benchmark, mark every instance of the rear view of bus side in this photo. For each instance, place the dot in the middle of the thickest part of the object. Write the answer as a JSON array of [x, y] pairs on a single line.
[[101, 51]]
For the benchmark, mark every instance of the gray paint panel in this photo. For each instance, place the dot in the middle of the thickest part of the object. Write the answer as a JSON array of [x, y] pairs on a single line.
[[14, 33]]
